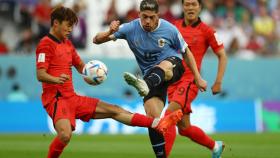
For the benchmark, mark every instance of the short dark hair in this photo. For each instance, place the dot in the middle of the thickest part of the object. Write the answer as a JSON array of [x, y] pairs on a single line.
[[199, 1], [61, 13], [149, 5]]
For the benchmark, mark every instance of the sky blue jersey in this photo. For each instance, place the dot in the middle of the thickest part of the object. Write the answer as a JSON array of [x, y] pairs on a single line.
[[150, 48]]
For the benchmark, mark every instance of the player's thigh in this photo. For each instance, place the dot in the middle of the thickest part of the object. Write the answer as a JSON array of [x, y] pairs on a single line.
[[173, 106], [173, 68], [154, 106], [61, 108], [167, 67], [85, 107], [184, 94], [165, 64], [107, 110]]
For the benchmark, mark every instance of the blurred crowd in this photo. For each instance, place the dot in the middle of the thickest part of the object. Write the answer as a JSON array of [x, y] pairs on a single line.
[[248, 28], [29, 21]]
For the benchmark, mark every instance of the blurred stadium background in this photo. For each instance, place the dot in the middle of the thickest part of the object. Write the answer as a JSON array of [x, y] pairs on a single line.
[[246, 114]]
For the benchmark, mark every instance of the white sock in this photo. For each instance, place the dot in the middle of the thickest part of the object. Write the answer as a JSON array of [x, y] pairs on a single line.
[[155, 122], [216, 147]]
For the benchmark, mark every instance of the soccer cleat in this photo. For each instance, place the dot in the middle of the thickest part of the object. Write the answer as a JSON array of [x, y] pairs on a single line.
[[137, 83], [218, 152], [169, 120]]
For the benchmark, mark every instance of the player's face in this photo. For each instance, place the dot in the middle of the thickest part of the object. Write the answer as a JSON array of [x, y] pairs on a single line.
[[191, 9], [149, 20], [63, 29]]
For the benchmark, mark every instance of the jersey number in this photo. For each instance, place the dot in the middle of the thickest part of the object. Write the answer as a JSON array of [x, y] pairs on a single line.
[[151, 56], [181, 91]]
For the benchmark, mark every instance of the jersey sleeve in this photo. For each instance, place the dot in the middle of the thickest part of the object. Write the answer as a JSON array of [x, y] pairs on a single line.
[[76, 59], [124, 29], [179, 42], [43, 56], [214, 40]]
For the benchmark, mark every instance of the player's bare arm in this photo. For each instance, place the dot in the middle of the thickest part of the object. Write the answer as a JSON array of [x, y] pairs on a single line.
[[43, 76], [107, 35], [190, 61], [222, 62], [80, 67]]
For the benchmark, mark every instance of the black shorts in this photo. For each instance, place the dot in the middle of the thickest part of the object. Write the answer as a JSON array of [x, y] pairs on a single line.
[[161, 90]]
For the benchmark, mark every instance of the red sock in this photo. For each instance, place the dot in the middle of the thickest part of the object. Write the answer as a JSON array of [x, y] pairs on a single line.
[[169, 136], [141, 120], [56, 148], [198, 136]]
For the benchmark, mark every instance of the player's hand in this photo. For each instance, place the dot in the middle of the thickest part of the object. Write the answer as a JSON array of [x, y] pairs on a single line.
[[201, 84], [216, 88], [63, 78], [114, 26]]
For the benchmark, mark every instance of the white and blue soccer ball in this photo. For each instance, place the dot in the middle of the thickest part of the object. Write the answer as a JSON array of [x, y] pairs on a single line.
[[95, 72]]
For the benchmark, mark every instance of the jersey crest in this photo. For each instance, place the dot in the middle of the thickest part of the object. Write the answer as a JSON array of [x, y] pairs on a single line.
[[161, 42]]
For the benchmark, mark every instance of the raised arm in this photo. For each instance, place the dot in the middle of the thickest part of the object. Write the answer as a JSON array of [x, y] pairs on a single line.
[[190, 61], [106, 36]]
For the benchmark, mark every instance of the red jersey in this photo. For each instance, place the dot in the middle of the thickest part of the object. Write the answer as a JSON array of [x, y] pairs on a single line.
[[199, 36], [57, 57]]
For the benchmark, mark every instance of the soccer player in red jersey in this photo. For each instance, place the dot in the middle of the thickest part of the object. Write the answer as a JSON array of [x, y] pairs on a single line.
[[199, 37], [55, 55]]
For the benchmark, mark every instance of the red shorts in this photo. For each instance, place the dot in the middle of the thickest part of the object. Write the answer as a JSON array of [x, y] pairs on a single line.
[[71, 108], [183, 92]]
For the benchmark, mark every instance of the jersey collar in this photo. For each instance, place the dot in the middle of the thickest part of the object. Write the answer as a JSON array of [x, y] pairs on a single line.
[[53, 38], [194, 24]]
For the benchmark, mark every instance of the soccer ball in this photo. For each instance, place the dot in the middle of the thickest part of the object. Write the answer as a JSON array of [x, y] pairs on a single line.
[[95, 72]]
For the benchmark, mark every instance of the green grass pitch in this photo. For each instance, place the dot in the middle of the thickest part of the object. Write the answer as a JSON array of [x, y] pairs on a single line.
[[137, 146]]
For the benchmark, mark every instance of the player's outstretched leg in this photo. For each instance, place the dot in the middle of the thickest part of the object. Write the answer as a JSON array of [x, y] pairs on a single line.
[[218, 149], [137, 83], [159, 124]]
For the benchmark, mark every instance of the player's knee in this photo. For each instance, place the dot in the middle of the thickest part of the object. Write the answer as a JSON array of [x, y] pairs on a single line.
[[65, 136], [168, 75], [167, 67]]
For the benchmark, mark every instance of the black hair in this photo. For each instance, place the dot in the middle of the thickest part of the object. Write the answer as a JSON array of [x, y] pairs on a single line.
[[61, 13], [151, 5], [199, 1]]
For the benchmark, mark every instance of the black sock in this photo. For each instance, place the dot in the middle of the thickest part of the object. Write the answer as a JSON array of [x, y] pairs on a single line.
[[154, 77], [158, 143]]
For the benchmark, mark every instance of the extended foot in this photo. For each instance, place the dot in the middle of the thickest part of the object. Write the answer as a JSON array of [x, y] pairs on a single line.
[[219, 150], [137, 83], [169, 120]]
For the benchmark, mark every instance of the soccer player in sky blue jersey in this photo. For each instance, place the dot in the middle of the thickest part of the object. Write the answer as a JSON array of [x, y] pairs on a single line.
[[150, 48], [159, 50]]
